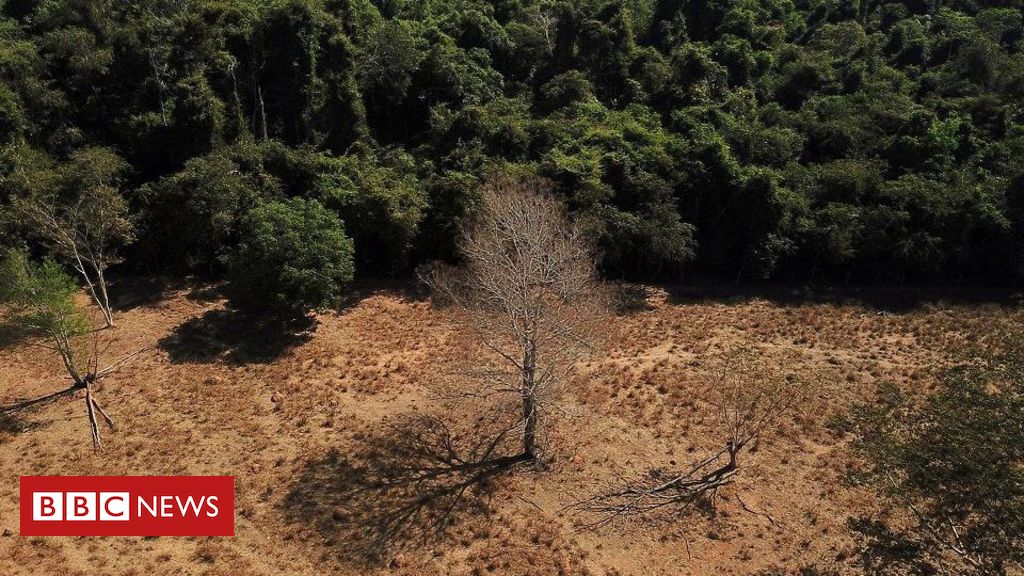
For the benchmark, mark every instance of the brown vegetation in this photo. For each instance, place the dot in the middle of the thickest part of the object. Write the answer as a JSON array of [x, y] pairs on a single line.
[[309, 430]]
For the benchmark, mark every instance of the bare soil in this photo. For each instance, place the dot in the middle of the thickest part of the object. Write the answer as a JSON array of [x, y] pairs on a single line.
[[295, 412]]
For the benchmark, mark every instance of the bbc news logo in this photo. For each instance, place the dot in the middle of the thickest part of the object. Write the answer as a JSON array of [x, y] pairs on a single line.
[[80, 506], [127, 505]]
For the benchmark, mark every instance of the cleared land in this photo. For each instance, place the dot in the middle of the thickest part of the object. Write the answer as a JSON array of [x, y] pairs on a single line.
[[296, 417]]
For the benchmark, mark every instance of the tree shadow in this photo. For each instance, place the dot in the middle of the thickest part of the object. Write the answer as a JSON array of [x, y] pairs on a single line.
[[894, 299], [807, 570], [632, 298], [884, 551], [403, 288], [10, 424], [11, 333], [206, 293], [135, 291], [234, 337], [405, 487], [13, 424], [237, 336]]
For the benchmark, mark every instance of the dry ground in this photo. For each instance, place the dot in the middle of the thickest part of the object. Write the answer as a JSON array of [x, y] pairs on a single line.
[[290, 416]]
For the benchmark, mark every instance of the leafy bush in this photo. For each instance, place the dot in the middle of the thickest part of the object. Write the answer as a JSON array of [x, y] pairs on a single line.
[[292, 256]]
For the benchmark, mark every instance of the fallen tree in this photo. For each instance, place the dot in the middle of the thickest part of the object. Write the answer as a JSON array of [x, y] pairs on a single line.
[[749, 400]]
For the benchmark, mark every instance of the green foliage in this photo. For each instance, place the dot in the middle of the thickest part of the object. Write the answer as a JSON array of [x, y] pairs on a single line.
[[74, 207], [378, 196], [192, 217], [292, 256], [866, 142], [955, 462], [391, 57], [41, 297], [621, 170]]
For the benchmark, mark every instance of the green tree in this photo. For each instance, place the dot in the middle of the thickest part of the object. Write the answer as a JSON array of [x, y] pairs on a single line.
[[82, 217], [658, 119], [41, 302], [379, 197], [191, 218], [292, 256], [621, 171], [954, 463]]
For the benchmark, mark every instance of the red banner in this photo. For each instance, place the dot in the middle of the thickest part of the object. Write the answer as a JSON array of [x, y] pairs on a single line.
[[127, 506]]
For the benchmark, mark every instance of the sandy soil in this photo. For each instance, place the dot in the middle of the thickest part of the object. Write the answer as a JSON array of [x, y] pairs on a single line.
[[296, 416]]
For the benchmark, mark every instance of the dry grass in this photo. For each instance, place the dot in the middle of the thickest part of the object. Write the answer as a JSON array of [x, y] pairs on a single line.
[[277, 406]]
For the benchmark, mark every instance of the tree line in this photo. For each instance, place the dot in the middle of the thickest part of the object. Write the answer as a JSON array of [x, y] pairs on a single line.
[[868, 141]]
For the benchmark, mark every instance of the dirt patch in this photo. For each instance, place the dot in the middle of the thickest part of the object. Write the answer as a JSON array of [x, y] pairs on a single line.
[[296, 413]]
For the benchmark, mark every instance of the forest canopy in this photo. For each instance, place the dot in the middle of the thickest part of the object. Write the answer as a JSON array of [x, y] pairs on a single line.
[[802, 140]]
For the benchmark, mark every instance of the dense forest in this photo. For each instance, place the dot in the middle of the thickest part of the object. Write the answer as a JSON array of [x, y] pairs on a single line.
[[807, 140]]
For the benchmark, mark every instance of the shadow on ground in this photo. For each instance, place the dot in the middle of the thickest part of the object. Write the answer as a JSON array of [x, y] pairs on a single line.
[[884, 551], [894, 299], [631, 298], [13, 424], [11, 333], [235, 337], [406, 289], [10, 424], [135, 291], [405, 487]]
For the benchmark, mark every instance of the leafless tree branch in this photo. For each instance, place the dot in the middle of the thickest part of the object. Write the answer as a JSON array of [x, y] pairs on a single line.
[[749, 400], [527, 292]]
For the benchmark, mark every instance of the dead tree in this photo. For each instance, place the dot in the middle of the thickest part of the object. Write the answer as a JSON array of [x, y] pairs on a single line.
[[749, 399], [83, 221], [527, 291]]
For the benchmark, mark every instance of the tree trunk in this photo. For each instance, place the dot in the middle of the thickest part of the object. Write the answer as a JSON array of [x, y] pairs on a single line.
[[108, 314], [159, 88], [530, 432], [102, 303], [263, 112], [529, 408], [94, 427]]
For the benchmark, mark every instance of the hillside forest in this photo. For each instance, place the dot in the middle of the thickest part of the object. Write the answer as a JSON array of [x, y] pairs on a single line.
[[742, 140]]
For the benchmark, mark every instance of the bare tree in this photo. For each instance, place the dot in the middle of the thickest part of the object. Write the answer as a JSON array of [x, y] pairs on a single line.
[[547, 23], [749, 399], [527, 291], [84, 220]]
